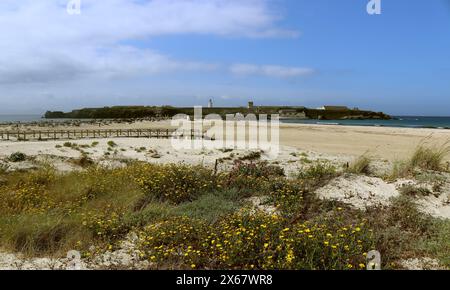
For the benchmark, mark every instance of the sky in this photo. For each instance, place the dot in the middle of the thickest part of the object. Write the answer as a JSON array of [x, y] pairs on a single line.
[[184, 52]]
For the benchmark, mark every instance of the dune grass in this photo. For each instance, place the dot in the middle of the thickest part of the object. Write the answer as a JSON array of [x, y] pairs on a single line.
[[360, 166], [430, 157], [426, 157]]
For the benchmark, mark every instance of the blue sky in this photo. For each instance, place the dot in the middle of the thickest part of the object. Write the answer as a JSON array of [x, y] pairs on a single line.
[[182, 52]]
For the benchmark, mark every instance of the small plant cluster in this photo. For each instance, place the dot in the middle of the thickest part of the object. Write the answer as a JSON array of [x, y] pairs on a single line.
[[317, 174], [360, 166], [17, 157]]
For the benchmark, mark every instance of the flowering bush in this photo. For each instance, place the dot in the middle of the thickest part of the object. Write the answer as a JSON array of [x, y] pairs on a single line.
[[30, 193], [173, 183], [106, 224], [290, 197], [258, 241]]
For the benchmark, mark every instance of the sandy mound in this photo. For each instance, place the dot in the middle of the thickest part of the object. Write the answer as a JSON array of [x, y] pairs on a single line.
[[437, 204], [125, 257], [359, 190]]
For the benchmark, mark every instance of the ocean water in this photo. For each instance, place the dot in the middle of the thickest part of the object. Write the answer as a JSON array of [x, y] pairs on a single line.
[[20, 118], [398, 121]]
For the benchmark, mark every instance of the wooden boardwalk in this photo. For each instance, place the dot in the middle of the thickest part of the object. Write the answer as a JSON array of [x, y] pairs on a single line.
[[43, 135]]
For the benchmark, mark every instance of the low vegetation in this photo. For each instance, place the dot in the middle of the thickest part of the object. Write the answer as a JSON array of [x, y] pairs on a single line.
[[360, 166], [430, 157], [318, 174], [415, 191], [192, 217], [112, 144], [425, 158], [17, 157]]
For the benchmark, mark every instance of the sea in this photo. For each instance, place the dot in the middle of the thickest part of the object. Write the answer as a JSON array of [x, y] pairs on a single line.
[[397, 121]]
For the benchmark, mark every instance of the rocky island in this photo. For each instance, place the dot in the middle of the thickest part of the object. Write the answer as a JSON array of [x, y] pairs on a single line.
[[285, 112]]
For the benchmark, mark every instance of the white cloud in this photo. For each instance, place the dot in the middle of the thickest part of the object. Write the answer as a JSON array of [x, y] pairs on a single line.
[[270, 70], [40, 42]]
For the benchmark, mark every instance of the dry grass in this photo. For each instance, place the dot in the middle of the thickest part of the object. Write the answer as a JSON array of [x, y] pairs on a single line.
[[426, 157], [360, 166]]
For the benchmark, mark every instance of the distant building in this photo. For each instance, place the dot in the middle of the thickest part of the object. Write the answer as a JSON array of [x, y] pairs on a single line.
[[250, 105], [292, 113], [210, 103], [334, 108]]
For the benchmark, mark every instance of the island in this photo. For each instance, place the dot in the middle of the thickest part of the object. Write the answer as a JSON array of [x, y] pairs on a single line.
[[159, 112]]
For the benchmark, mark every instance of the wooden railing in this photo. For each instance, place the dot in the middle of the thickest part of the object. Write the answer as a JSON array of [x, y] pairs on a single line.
[[43, 135]]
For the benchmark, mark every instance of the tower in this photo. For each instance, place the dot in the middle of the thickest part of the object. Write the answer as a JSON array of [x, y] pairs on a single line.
[[210, 103]]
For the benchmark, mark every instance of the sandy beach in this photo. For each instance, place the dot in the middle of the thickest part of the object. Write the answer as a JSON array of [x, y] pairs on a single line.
[[380, 142], [384, 143]]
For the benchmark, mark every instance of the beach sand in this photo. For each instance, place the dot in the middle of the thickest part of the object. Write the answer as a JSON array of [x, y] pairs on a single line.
[[379, 142]]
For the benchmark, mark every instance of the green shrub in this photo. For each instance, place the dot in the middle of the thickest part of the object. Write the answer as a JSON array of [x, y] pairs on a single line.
[[112, 144], [17, 157], [250, 177], [209, 207], [398, 228], [414, 191], [252, 156], [317, 174]]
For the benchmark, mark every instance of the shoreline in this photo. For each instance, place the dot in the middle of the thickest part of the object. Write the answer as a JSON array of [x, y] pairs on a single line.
[[283, 121]]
